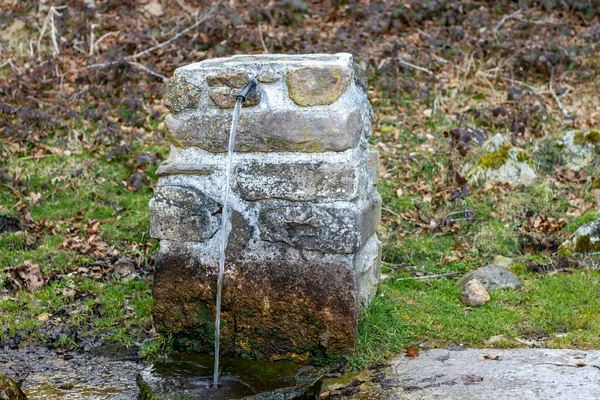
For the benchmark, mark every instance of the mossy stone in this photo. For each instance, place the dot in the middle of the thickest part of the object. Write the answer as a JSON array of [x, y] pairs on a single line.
[[181, 95], [496, 159], [311, 86], [10, 390]]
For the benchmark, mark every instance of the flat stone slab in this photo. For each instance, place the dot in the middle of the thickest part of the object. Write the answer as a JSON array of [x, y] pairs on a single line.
[[516, 374], [492, 277]]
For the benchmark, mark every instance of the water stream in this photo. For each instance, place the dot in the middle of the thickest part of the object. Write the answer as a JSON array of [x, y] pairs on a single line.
[[224, 235]]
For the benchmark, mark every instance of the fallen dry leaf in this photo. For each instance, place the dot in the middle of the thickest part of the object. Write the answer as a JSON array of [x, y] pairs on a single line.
[[492, 357], [412, 352], [26, 275]]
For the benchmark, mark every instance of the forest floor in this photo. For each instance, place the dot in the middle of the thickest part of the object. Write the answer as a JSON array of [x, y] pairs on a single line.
[[82, 135]]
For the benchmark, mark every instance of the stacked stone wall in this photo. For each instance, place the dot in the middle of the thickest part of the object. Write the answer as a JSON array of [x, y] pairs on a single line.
[[303, 256]]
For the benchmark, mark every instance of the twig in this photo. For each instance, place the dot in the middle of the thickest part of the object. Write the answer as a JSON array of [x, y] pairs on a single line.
[[148, 70], [262, 40], [53, 11], [406, 63], [506, 18], [563, 110], [147, 51], [448, 275]]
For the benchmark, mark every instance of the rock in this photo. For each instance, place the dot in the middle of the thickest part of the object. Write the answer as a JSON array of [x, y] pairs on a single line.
[[154, 9], [493, 277], [230, 79], [10, 390], [226, 97], [266, 304], [309, 131], [360, 78], [310, 86], [474, 294], [584, 240], [10, 224], [337, 228], [183, 214], [579, 148], [166, 169], [499, 161], [373, 157], [297, 181], [181, 95], [268, 77]]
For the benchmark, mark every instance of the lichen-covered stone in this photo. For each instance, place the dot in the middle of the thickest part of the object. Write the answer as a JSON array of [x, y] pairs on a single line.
[[268, 77], [579, 148], [297, 181], [586, 239], [226, 97], [166, 169], [261, 316], [311, 131], [373, 159], [230, 79], [492, 277], [10, 390], [182, 214], [181, 95], [332, 228], [499, 161], [310, 86]]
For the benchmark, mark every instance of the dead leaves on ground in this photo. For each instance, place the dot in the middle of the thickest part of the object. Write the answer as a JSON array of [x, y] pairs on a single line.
[[26, 276]]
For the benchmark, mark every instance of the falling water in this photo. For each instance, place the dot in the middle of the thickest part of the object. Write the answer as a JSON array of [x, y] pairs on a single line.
[[224, 219]]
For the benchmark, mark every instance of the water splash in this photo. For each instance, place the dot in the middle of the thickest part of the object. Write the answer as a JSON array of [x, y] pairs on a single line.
[[224, 235]]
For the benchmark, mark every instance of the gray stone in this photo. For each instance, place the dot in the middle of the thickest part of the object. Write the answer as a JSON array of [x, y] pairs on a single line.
[[367, 267], [360, 77], [297, 181], [181, 95], [474, 294], [230, 79], [182, 214], [504, 261], [518, 374], [166, 169], [584, 240], [227, 97], [579, 148], [493, 277], [310, 86], [309, 131], [373, 157], [333, 228], [10, 390]]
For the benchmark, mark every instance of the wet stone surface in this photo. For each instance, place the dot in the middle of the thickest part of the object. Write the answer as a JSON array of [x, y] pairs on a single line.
[[186, 375], [46, 374]]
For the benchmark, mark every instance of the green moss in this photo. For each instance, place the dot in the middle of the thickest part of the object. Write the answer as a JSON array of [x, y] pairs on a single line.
[[583, 138], [496, 159], [596, 183]]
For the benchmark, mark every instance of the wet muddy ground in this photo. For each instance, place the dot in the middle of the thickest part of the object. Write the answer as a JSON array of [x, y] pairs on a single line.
[[105, 373]]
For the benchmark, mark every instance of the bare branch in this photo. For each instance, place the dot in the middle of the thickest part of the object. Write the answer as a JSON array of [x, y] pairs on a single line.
[[565, 113], [148, 70], [506, 18], [401, 61], [448, 275]]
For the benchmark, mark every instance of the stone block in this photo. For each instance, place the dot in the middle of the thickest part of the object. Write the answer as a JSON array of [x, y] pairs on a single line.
[[166, 169], [230, 79], [182, 214], [181, 95], [296, 181], [328, 227], [227, 97], [367, 267], [373, 161], [261, 316], [311, 86], [311, 131]]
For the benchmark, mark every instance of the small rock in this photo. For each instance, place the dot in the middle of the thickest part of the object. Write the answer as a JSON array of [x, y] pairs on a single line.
[[579, 148], [230, 79], [181, 95], [475, 294], [492, 277], [312, 86], [585, 239], [10, 390], [154, 9], [226, 97], [268, 77]]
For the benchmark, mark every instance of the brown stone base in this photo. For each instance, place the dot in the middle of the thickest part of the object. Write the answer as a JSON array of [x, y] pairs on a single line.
[[270, 309]]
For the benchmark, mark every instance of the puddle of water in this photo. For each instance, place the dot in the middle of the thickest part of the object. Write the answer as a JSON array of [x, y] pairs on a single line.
[[190, 374]]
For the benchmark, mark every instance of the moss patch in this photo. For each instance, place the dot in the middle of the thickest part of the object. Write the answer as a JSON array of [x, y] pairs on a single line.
[[496, 159]]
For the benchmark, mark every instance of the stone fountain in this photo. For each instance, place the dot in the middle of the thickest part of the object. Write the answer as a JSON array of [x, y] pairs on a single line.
[[303, 256]]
